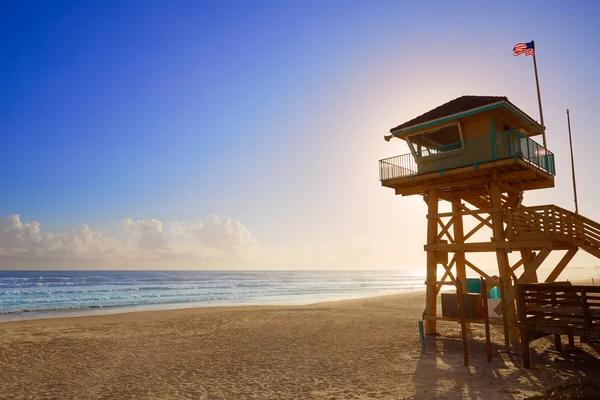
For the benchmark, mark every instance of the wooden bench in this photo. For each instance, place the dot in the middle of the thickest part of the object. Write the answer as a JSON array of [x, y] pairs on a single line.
[[557, 309]]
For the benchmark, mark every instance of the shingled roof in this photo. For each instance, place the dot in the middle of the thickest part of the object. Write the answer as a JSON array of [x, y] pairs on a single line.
[[456, 106]]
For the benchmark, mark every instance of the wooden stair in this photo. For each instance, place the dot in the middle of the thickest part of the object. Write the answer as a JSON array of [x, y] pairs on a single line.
[[550, 222]]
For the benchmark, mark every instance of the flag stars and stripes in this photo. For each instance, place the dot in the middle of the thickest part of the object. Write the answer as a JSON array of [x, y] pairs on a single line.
[[523, 48]]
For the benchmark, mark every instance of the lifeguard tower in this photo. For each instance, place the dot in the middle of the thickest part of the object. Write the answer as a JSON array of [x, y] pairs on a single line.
[[478, 153]]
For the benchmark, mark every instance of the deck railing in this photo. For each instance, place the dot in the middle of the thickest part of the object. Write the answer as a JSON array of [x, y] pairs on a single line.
[[554, 223], [473, 151]]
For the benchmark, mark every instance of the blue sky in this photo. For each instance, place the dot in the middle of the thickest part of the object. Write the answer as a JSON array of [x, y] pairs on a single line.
[[270, 113]]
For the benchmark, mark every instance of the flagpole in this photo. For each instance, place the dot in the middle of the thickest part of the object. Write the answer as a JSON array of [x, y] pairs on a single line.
[[537, 83], [572, 163]]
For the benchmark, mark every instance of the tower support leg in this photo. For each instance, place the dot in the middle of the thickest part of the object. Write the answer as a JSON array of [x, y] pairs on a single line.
[[459, 256], [502, 258], [432, 232], [461, 271]]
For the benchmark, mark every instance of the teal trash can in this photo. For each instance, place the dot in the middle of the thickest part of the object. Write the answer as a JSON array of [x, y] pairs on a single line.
[[494, 293], [473, 285]]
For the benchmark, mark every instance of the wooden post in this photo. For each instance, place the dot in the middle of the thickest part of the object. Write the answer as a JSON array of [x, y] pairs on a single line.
[[459, 238], [461, 271], [522, 321], [557, 341], [463, 324], [502, 258], [432, 231], [421, 338], [504, 319], [486, 319]]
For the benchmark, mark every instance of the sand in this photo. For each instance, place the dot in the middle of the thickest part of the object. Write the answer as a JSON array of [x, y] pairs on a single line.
[[353, 349]]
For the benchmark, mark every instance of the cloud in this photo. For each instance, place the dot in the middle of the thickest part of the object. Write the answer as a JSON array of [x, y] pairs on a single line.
[[19, 240], [213, 242], [149, 234], [224, 234]]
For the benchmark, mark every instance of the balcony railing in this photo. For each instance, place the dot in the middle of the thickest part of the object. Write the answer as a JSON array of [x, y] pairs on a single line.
[[502, 145]]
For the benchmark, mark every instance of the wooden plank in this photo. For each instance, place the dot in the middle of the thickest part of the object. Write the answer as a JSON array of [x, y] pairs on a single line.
[[561, 265]]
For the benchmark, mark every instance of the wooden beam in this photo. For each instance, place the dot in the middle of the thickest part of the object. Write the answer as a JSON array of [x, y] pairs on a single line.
[[464, 193], [517, 265], [506, 187], [444, 230], [446, 273], [457, 319], [420, 188], [533, 266], [517, 175], [467, 212], [493, 246], [448, 269], [485, 222], [526, 257], [592, 250], [538, 185], [561, 265], [525, 276], [474, 268], [479, 218]]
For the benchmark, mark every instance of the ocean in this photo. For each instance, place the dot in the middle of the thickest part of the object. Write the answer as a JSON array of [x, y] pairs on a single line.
[[47, 294]]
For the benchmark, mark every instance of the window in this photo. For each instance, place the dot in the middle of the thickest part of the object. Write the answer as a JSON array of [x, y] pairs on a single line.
[[439, 141]]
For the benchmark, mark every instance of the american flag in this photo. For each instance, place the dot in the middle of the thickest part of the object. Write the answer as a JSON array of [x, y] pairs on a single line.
[[523, 48]]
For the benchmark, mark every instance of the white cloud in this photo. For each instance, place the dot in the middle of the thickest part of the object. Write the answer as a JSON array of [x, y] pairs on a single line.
[[149, 234], [212, 242], [19, 240], [224, 234]]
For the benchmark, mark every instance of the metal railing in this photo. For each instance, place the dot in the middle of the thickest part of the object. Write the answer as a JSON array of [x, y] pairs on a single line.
[[473, 151]]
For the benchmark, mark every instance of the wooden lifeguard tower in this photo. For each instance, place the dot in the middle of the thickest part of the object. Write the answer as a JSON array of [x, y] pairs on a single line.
[[477, 153]]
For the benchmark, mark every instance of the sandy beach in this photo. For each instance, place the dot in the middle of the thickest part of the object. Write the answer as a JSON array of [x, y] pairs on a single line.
[[352, 349]]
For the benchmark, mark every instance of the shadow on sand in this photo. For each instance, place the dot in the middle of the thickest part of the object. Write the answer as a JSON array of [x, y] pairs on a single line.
[[441, 374]]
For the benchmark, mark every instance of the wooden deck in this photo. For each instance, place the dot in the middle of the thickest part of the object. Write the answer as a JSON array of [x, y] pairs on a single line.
[[558, 309]]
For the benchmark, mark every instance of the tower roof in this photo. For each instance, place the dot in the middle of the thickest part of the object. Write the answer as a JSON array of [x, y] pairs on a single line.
[[458, 106]]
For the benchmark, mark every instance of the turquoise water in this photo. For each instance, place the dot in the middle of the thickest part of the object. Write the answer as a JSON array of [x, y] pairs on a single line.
[[41, 294]]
